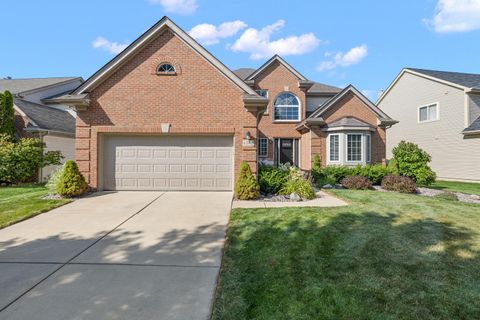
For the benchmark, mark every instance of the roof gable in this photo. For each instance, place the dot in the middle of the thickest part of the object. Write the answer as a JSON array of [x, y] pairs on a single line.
[[276, 58], [162, 25], [461, 81], [382, 116]]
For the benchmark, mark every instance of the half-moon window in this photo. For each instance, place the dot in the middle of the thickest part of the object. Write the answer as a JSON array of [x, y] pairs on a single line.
[[166, 68]]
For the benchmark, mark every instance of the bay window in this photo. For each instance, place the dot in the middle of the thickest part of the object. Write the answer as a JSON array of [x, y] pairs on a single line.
[[349, 148]]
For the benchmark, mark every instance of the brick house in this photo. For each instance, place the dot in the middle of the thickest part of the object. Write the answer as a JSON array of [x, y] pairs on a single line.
[[165, 114]]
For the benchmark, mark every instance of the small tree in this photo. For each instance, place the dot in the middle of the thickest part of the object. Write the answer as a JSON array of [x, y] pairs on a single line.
[[7, 114], [246, 186], [71, 182], [412, 162]]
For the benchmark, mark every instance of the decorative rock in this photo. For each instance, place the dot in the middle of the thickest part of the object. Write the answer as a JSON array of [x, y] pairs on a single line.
[[327, 186], [295, 197], [339, 186]]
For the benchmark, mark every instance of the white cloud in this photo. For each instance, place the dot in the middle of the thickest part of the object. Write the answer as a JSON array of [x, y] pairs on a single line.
[[183, 7], [107, 45], [352, 56], [208, 34], [258, 44], [455, 16]]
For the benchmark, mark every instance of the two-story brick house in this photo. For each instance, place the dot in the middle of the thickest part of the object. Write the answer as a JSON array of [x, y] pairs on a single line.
[[165, 114]]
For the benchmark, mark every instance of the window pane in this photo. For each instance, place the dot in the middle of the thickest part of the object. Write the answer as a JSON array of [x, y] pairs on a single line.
[[334, 148], [354, 147], [368, 148], [262, 147], [432, 112], [423, 114], [286, 107]]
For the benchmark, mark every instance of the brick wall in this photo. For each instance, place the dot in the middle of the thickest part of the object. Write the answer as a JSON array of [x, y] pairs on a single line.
[[350, 106], [277, 79], [134, 99]]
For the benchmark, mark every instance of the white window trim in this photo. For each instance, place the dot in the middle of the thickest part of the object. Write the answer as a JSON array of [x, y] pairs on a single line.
[[428, 105], [266, 141], [339, 148], [368, 157], [287, 120], [362, 147]]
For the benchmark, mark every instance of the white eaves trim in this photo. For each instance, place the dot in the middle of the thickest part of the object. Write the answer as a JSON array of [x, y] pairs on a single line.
[[282, 62], [455, 85], [162, 25]]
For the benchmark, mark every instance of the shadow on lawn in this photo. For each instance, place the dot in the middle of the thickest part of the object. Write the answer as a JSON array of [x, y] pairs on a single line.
[[348, 266], [75, 291]]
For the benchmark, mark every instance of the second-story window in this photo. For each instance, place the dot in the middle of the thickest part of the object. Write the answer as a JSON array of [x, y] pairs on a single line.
[[166, 68], [286, 107]]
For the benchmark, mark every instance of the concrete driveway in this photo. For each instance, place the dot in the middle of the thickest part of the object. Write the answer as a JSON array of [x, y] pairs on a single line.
[[120, 255]]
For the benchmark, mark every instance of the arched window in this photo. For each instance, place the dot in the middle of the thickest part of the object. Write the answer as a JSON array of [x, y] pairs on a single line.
[[286, 107], [166, 68]]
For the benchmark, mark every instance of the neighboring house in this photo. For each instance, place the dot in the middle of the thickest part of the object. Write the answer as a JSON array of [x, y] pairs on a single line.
[[55, 125], [439, 111], [165, 114]]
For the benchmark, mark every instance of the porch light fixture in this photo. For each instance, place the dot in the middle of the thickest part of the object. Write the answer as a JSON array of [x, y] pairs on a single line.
[[248, 136]]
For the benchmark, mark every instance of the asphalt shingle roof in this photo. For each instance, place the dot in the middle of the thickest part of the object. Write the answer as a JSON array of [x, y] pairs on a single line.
[[348, 122], [16, 86], [46, 117], [475, 126], [469, 80], [243, 73]]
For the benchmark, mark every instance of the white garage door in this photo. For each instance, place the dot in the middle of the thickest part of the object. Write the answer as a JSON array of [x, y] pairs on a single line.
[[167, 162]]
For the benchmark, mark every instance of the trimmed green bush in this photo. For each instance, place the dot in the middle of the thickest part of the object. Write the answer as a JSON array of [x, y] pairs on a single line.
[[412, 162], [335, 174], [53, 180], [399, 183], [246, 186], [71, 182], [271, 179], [20, 160], [356, 183], [296, 183]]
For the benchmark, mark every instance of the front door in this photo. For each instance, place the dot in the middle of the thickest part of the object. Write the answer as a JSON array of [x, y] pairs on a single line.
[[287, 151]]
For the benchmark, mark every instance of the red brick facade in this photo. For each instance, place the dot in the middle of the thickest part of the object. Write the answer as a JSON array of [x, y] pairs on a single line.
[[197, 100]]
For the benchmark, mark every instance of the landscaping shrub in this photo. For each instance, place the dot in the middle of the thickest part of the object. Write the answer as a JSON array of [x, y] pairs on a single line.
[[20, 160], [246, 186], [399, 183], [356, 183], [71, 182], [6, 114], [335, 174], [296, 183], [53, 180], [317, 167], [271, 179], [450, 196], [413, 162]]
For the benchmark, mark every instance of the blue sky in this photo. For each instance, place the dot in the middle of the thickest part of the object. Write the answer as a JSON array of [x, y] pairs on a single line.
[[363, 42]]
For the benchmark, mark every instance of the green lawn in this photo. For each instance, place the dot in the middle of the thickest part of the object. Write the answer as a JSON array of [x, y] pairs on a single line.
[[22, 202], [465, 187], [386, 256]]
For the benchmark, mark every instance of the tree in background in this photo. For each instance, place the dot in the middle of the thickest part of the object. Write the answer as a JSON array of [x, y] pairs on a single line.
[[6, 114]]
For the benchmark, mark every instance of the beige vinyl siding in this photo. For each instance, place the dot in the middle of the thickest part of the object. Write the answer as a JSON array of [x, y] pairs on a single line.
[[474, 107], [453, 156], [58, 143]]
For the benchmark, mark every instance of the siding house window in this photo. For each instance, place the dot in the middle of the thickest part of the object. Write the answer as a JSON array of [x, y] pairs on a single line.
[[262, 93], [428, 113], [334, 148], [262, 147], [354, 147], [286, 107]]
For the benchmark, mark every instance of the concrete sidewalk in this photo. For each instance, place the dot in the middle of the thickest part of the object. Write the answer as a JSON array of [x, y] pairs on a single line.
[[123, 255]]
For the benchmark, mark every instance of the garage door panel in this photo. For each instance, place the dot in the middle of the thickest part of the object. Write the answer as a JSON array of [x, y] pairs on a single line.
[[168, 163]]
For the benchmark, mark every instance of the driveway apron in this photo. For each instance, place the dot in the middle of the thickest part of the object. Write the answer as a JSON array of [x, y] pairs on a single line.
[[119, 255]]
